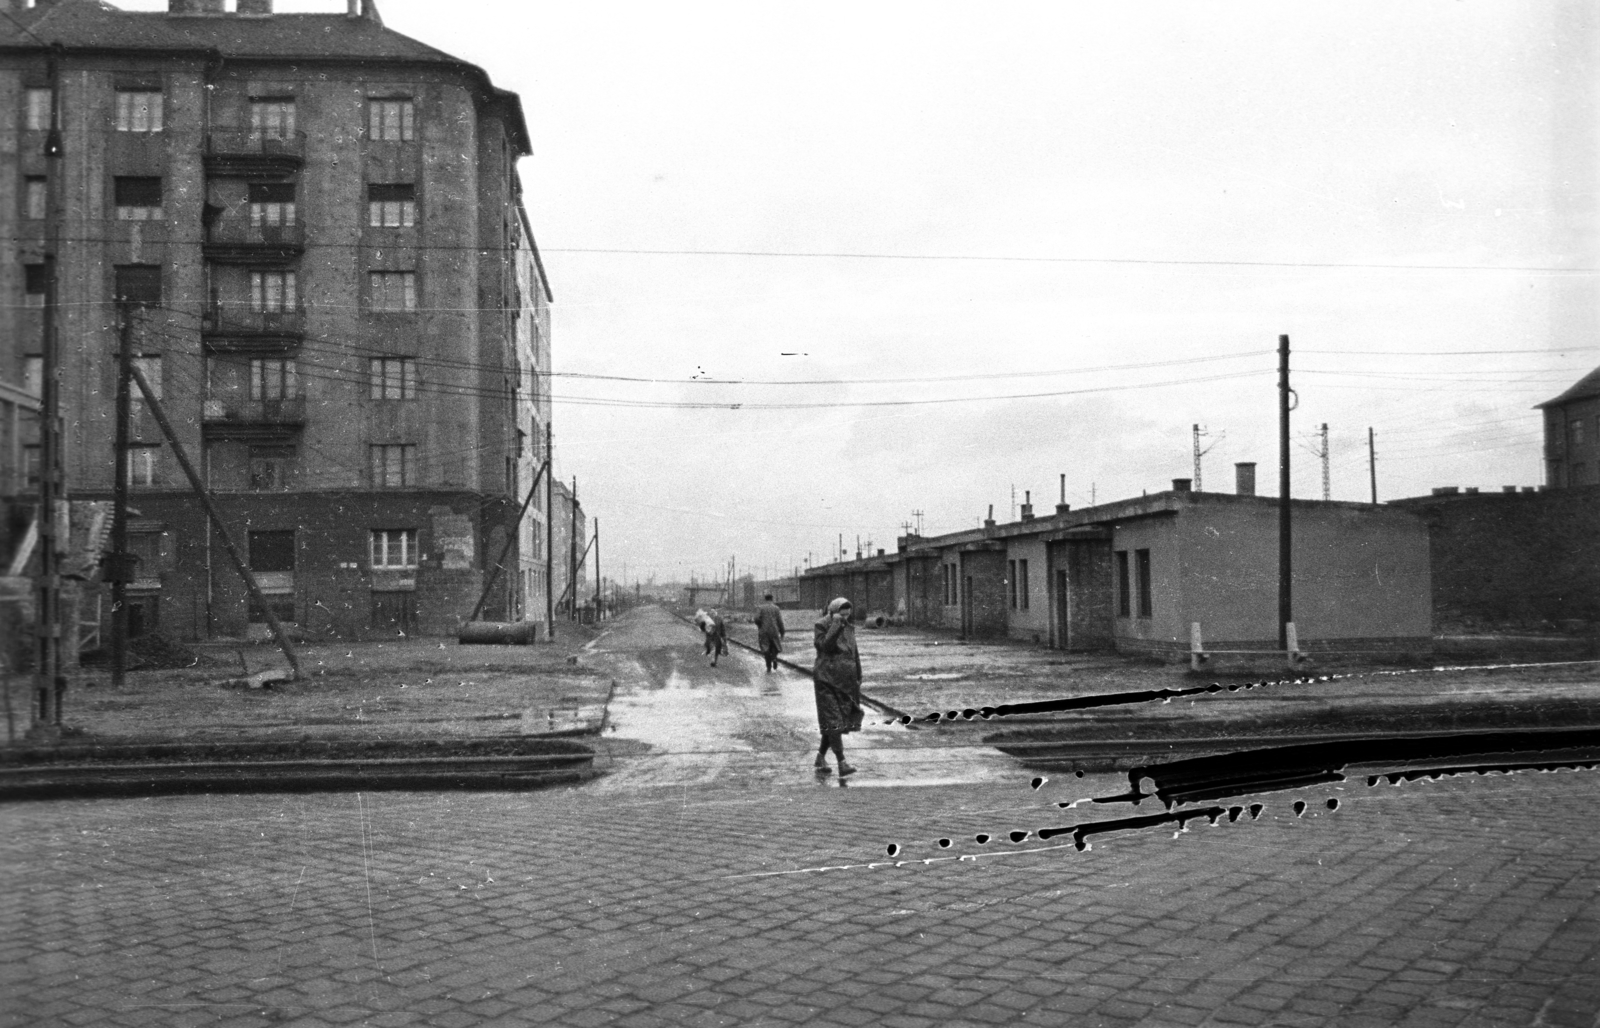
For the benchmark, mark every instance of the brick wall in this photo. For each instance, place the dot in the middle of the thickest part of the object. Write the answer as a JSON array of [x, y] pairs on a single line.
[[1514, 561]]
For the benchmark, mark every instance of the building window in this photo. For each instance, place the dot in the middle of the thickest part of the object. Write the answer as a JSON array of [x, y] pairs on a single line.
[[34, 281], [272, 292], [36, 197], [1579, 475], [33, 374], [392, 206], [272, 117], [272, 204], [394, 547], [1022, 584], [272, 378], [143, 464], [1142, 560], [272, 551], [149, 366], [1124, 594], [392, 464], [393, 378], [1577, 431], [137, 199], [138, 110], [138, 285], [30, 464], [269, 467], [37, 113], [1011, 583], [393, 119], [393, 290]]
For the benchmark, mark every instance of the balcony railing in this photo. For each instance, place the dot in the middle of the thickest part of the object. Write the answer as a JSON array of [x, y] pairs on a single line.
[[229, 320], [254, 144], [241, 232], [240, 411]]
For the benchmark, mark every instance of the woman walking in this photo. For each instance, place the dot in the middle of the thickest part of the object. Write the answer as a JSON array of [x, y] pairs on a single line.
[[836, 676]]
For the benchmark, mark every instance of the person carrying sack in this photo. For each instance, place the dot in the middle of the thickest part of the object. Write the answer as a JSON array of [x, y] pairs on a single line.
[[836, 676]]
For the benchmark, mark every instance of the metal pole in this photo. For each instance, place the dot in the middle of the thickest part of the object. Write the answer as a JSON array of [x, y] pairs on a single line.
[[572, 550], [120, 566], [549, 539], [1285, 599], [50, 678], [1326, 490], [1372, 464], [216, 519], [597, 570]]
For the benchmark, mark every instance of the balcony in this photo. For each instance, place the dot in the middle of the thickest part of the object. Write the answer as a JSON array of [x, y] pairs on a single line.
[[236, 328], [239, 241], [250, 151], [239, 418]]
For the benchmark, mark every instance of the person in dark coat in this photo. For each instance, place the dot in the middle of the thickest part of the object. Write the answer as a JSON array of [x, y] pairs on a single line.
[[716, 633], [836, 676], [769, 632]]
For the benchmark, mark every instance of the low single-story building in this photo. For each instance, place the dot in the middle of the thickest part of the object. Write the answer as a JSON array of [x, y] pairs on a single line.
[[1137, 574]]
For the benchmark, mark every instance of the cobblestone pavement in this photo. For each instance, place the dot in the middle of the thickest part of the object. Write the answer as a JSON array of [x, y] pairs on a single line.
[[1463, 901]]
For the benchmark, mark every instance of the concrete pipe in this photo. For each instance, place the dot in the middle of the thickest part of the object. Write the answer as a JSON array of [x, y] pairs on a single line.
[[499, 633]]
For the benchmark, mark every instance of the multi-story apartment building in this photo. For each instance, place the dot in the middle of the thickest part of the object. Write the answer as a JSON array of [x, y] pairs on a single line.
[[1572, 434], [313, 228]]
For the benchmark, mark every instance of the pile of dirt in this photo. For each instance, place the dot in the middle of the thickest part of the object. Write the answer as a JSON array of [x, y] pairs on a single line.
[[151, 651]]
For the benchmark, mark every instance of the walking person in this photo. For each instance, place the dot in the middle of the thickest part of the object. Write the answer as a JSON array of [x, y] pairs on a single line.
[[836, 676], [769, 632], [715, 631]]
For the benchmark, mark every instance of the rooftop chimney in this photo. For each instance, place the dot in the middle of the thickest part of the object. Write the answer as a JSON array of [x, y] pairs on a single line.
[[1508, 488], [1027, 505], [1244, 478], [989, 521], [1182, 485]]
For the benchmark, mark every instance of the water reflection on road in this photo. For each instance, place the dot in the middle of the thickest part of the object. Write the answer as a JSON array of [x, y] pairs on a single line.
[[735, 724]]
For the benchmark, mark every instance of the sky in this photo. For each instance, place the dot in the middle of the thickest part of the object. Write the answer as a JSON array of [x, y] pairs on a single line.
[[1004, 243]]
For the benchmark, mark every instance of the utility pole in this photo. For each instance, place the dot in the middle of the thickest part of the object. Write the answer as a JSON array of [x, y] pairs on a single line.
[[1198, 432], [918, 515], [1285, 597], [1372, 464], [50, 679], [1326, 491], [120, 568], [597, 571], [572, 552], [549, 539]]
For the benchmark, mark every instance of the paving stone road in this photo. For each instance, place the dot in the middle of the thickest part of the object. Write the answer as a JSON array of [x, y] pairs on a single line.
[[737, 900]]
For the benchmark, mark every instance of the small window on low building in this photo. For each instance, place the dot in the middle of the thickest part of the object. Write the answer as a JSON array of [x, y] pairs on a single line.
[[1124, 592], [34, 283], [36, 197], [1011, 583], [1022, 584], [138, 198], [391, 118], [1142, 560], [392, 206], [139, 110]]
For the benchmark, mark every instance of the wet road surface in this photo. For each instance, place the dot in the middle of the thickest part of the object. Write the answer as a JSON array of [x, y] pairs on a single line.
[[676, 721]]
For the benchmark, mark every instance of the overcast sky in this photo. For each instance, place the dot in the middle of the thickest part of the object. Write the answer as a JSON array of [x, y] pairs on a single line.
[[1119, 206]]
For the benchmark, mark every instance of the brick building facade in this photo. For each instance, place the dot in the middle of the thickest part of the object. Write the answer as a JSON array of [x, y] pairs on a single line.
[[313, 227]]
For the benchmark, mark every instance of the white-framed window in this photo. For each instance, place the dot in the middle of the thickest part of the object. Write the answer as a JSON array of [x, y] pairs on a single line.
[[393, 290], [394, 547], [36, 197], [392, 205], [139, 110], [36, 108], [138, 198], [272, 116], [392, 464], [272, 378], [272, 204], [393, 378], [143, 464], [33, 374], [392, 118], [272, 292]]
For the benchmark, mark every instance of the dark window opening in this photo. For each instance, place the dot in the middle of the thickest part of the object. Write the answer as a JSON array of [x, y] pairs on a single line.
[[1124, 597], [1143, 560], [139, 284], [272, 551]]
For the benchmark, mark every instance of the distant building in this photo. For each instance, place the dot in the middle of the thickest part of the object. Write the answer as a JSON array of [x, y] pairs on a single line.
[[1134, 575], [1572, 434], [315, 227]]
